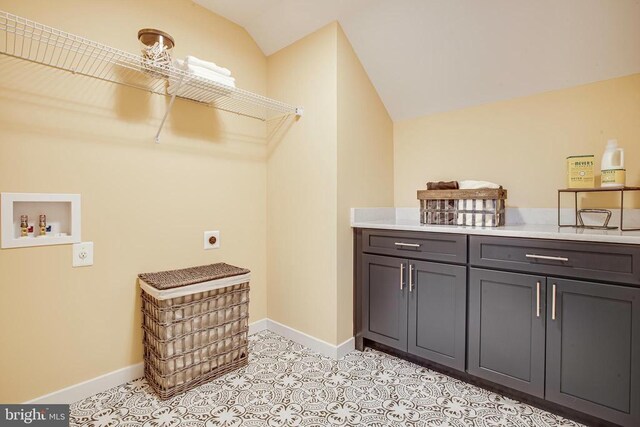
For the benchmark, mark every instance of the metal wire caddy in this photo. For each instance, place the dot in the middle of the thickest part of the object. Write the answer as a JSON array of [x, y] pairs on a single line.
[[38, 43], [578, 221]]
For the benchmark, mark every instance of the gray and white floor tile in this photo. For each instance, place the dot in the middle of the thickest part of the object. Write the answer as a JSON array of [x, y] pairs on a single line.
[[286, 384]]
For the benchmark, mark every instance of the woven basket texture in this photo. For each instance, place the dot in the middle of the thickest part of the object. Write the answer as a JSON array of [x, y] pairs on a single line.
[[192, 275], [192, 339]]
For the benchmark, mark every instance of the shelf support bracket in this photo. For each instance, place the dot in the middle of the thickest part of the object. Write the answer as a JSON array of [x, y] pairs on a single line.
[[169, 107], [299, 112]]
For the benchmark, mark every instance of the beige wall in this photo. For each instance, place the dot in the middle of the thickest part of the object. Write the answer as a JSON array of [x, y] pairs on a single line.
[[365, 165], [144, 205], [302, 180], [338, 156], [521, 143]]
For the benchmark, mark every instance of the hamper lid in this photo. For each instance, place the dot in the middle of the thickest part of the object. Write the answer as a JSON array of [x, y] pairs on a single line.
[[188, 276]]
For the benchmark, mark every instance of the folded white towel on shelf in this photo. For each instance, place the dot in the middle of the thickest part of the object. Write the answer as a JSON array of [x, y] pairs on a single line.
[[476, 185], [205, 73], [211, 75], [208, 65], [174, 86]]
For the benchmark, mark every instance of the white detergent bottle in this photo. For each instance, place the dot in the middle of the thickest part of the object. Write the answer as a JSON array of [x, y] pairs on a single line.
[[612, 166]]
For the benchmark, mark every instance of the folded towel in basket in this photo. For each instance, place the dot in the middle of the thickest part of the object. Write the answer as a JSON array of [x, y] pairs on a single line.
[[476, 205], [477, 220], [442, 185], [476, 212], [476, 185]]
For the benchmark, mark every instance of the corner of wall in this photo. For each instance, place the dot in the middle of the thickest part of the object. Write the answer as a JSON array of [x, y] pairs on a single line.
[[302, 186], [365, 165]]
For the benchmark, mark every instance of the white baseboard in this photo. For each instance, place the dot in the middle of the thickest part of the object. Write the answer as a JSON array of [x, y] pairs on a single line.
[[112, 379], [345, 348], [90, 387], [319, 346]]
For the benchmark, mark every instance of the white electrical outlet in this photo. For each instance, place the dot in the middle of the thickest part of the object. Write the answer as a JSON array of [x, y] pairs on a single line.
[[211, 239], [82, 254]]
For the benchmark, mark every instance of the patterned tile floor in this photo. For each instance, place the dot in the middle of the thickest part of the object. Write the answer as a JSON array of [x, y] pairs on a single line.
[[286, 384]]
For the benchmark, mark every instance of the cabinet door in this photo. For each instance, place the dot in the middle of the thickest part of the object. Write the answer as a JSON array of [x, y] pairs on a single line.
[[593, 349], [384, 304], [437, 312], [507, 329]]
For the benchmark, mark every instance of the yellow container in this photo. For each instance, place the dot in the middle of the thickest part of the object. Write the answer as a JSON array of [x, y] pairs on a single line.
[[580, 172], [613, 177]]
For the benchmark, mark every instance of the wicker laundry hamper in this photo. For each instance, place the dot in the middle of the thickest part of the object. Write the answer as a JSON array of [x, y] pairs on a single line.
[[195, 325]]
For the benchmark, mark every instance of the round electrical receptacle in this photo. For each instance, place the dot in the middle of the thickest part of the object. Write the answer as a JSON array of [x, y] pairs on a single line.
[[212, 240]]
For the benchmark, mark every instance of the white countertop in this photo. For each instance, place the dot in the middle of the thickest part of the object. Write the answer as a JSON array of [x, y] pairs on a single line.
[[408, 219]]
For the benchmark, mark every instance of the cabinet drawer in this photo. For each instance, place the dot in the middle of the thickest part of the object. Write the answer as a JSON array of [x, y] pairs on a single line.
[[416, 245], [596, 261]]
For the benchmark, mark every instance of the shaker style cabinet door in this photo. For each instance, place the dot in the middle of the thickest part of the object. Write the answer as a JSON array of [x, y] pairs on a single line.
[[593, 349], [507, 329], [384, 305], [437, 312]]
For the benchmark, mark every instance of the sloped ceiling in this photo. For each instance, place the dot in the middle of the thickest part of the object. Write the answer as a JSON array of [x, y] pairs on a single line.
[[429, 56]]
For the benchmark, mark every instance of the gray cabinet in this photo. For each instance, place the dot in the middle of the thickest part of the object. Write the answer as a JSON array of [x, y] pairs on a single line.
[[384, 305], [507, 329], [415, 306], [524, 319], [593, 349], [437, 312], [571, 342]]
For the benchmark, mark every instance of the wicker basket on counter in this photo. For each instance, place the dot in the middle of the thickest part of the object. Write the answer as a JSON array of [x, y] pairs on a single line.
[[195, 325], [482, 207]]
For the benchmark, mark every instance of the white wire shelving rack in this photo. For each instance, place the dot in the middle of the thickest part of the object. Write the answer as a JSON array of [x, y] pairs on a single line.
[[34, 42]]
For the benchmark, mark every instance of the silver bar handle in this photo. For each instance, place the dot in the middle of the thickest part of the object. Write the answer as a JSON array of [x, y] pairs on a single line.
[[410, 277], [553, 303], [407, 245], [552, 258], [537, 299], [401, 276]]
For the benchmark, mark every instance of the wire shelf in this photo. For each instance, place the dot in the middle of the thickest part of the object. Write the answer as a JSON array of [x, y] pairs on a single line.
[[41, 44]]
